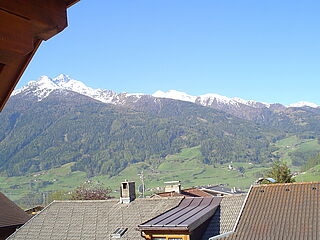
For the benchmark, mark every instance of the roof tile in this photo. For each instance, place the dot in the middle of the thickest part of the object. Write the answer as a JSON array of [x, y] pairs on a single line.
[[281, 211], [92, 219]]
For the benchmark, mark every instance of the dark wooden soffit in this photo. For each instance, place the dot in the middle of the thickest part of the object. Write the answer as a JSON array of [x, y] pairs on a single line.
[[24, 24], [11, 214]]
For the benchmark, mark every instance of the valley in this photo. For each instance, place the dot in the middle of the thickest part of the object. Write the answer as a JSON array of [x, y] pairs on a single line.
[[58, 133]]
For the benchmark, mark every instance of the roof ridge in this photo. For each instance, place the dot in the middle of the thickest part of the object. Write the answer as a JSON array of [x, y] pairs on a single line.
[[285, 184], [117, 200], [235, 195]]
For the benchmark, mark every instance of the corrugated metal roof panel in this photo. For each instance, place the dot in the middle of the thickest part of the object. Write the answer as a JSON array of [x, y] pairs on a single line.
[[188, 215]]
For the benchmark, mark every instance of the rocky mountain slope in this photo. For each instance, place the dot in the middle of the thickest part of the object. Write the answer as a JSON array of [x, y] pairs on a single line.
[[246, 109], [51, 122]]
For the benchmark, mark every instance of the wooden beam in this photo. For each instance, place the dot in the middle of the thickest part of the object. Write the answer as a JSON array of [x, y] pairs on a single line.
[[23, 26], [18, 38], [11, 74], [71, 2], [48, 17]]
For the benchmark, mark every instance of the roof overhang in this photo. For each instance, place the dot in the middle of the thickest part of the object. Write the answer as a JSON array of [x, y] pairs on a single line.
[[24, 24]]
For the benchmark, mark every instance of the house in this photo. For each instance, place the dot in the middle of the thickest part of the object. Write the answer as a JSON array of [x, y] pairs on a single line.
[[34, 210], [130, 218], [96, 219], [220, 190], [279, 211], [225, 217], [173, 189], [11, 217], [187, 221], [189, 192], [196, 219], [271, 211]]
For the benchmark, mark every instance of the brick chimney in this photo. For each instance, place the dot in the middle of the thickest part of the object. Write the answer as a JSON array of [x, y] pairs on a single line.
[[127, 191]]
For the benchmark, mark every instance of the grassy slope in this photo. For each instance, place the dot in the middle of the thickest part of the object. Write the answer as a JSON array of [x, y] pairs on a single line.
[[294, 144], [312, 174], [185, 166]]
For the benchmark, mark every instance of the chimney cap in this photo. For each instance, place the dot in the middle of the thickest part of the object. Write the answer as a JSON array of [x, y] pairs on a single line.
[[172, 182], [126, 181]]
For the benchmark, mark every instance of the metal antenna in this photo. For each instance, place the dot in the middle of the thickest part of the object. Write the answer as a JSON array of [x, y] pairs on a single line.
[[142, 181]]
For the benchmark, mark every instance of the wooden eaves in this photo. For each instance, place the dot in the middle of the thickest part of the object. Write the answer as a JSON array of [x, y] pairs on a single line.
[[24, 24]]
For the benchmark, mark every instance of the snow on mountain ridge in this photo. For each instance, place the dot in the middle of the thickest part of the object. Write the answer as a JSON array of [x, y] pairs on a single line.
[[303, 104], [45, 85], [208, 99], [173, 94]]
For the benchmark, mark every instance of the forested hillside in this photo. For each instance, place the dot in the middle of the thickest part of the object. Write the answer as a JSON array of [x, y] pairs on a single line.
[[52, 122], [103, 138]]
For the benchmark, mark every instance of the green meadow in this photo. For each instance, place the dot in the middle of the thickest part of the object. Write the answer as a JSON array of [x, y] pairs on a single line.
[[186, 166]]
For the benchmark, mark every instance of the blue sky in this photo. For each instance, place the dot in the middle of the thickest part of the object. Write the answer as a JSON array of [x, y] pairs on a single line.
[[263, 50]]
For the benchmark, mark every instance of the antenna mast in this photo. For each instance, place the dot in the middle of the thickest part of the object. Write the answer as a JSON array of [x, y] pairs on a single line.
[[142, 181]]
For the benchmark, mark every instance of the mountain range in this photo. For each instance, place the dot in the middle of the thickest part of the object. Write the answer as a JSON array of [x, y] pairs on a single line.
[[53, 121], [45, 85], [246, 109]]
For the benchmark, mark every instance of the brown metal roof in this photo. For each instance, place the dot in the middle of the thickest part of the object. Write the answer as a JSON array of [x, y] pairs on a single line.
[[189, 215], [280, 211], [10, 213]]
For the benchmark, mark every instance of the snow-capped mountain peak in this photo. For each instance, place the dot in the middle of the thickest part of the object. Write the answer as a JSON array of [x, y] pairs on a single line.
[[45, 85], [303, 104], [208, 99], [60, 79], [211, 98], [173, 94]]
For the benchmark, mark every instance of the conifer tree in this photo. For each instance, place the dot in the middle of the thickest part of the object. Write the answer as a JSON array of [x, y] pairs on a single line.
[[280, 172]]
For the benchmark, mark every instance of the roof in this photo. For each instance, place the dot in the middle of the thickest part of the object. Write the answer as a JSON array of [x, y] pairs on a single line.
[[280, 211], [225, 217], [69, 3], [219, 189], [10, 213], [189, 215], [189, 192], [23, 26], [93, 219], [34, 210]]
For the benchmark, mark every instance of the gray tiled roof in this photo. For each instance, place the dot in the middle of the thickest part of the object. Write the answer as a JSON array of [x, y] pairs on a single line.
[[225, 216], [280, 211], [93, 219]]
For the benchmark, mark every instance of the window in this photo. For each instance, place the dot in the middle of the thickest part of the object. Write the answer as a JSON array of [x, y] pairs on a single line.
[[118, 232]]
